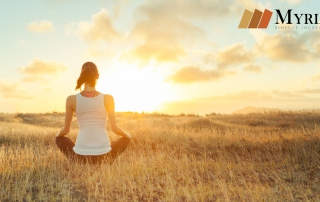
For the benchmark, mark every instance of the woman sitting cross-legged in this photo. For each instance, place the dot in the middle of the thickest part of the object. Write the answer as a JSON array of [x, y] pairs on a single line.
[[91, 108]]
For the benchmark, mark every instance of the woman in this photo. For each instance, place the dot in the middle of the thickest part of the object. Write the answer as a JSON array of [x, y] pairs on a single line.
[[91, 108]]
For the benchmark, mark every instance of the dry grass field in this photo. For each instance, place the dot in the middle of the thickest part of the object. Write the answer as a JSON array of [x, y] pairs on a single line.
[[255, 157]]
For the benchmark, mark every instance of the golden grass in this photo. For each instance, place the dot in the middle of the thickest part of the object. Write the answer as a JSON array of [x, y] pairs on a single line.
[[255, 157]]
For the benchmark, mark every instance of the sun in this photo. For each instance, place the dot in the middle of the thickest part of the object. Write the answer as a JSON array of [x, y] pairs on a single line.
[[134, 89]]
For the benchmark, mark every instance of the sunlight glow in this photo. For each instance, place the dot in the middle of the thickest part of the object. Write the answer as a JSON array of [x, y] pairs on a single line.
[[134, 89]]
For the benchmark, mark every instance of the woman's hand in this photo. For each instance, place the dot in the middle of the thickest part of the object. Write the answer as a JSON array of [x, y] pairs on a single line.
[[58, 134], [127, 135], [62, 132]]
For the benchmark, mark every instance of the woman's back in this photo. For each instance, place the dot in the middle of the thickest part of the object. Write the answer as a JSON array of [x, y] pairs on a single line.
[[91, 115], [91, 108]]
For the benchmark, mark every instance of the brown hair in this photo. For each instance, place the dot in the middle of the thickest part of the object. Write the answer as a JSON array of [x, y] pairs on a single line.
[[89, 73]]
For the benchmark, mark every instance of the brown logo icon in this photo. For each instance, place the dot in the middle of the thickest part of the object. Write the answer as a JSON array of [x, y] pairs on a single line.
[[257, 19]]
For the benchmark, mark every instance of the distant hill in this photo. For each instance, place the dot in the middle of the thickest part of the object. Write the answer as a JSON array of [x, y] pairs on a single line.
[[251, 109]]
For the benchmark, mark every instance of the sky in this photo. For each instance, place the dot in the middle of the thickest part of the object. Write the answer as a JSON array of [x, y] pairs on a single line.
[[166, 56]]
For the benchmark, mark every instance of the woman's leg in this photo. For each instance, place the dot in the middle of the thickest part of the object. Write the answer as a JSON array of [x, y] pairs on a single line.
[[65, 145], [119, 146]]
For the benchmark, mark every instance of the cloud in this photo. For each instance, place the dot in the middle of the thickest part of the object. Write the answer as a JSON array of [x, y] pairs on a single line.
[[293, 2], [311, 39], [165, 26], [251, 5], [40, 27], [191, 74], [241, 96], [156, 50], [103, 38], [12, 91], [188, 9], [279, 47], [119, 7], [34, 78], [231, 102], [42, 71], [316, 78], [310, 91], [233, 55], [299, 99], [42, 67], [99, 53], [22, 42], [252, 68], [100, 28], [288, 46], [287, 94], [275, 95]]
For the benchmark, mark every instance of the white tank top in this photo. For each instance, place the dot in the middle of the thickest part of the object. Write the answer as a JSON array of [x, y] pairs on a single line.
[[92, 138]]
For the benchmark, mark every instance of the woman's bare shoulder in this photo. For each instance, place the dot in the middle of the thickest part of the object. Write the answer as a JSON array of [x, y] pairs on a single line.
[[108, 97], [71, 98]]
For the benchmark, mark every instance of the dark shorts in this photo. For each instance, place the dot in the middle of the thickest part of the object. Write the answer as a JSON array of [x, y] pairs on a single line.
[[66, 145]]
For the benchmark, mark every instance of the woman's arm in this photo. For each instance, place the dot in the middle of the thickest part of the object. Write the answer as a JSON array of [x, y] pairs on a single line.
[[109, 105], [68, 118]]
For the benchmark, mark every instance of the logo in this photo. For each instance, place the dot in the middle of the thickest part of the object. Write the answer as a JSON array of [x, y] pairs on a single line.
[[304, 17], [257, 19]]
